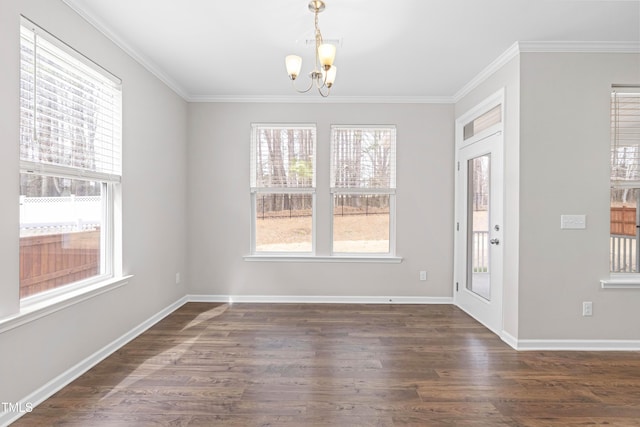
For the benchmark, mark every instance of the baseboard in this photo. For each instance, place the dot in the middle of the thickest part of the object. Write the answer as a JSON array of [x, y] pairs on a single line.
[[577, 345], [318, 299], [509, 339], [56, 384]]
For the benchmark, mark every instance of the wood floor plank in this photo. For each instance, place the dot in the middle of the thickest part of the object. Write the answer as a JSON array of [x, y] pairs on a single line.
[[341, 365]]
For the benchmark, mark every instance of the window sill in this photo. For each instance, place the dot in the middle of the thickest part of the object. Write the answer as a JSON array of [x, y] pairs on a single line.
[[621, 282], [41, 309], [335, 258]]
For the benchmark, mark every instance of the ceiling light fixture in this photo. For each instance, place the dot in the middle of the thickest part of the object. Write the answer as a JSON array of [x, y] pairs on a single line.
[[324, 74]]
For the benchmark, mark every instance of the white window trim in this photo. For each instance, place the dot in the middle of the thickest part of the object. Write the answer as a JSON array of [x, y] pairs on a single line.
[[371, 256], [621, 281], [282, 190], [367, 258], [111, 273]]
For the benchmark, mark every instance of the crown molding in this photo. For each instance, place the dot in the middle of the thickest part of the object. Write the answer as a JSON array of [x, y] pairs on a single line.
[[544, 47], [293, 99], [489, 70], [579, 47], [99, 25]]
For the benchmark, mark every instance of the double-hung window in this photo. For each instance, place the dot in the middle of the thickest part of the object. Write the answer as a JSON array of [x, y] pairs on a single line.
[[283, 188], [70, 166], [625, 180], [363, 185]]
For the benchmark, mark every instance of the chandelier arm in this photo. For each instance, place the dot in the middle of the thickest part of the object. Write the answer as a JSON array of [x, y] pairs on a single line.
[[322, 94], [293, 83]]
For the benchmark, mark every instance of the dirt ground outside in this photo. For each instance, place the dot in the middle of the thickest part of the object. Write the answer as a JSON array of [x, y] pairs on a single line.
[[353, 233]]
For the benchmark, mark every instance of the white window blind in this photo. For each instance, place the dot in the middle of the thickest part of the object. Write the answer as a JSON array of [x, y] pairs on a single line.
[[283, 158], [70, 111], [625, 138], [363, 158]]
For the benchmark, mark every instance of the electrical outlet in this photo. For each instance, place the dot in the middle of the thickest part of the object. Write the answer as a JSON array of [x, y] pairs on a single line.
[[423, 275], [587, 308], [177, 278]]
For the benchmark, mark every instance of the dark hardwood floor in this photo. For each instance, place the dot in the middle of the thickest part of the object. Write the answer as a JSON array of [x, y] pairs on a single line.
[[341, 365]]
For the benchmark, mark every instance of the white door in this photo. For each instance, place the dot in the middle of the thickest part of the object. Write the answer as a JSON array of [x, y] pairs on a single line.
[[479, 227]]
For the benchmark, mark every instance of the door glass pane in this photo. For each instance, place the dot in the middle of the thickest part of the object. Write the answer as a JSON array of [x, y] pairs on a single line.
[[478, 197]]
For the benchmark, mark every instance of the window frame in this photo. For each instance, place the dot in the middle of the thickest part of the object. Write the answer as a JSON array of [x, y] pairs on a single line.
[[110, 275], [390, 191], [255, 190], [616, 279]]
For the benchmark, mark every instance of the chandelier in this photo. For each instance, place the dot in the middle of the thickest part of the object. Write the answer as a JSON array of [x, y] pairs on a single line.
[[324, 73]]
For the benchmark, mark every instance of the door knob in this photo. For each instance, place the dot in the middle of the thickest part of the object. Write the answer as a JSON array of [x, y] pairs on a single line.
[[494, 241]]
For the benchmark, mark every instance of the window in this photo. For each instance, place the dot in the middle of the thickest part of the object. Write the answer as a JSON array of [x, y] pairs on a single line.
[[283, 183], [625, 180], [363, 182], [70, 166]]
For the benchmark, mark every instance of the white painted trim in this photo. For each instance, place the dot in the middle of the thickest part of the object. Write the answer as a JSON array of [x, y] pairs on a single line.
[[382, 259], [509, 339], [487, 72], [333, 99], [318, 299], [579, 47], [621, 283], [577, 345], [44, 308], [56, 384]]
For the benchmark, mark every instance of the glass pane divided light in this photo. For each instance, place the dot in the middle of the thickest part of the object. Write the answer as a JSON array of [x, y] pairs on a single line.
[[70, 162]]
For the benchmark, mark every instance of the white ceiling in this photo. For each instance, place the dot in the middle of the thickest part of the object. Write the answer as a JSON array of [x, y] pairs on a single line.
[[390, 49]]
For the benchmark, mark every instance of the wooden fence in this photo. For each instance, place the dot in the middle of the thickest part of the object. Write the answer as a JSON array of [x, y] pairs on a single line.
[[623, 221], [54, 260]]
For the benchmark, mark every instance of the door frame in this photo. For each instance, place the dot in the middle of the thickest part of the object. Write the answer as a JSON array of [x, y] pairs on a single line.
[[460, 220]]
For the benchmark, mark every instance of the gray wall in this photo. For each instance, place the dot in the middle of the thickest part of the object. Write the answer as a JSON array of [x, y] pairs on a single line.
[[154, 203], [564, 169], [219, 203]]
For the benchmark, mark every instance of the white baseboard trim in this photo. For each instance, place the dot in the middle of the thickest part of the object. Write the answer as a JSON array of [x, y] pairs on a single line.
[[509, 339], [576, 345], [287, 299], [56, 384]]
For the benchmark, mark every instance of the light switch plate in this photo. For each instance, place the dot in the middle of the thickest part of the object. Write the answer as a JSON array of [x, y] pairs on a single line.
[[573, 222]]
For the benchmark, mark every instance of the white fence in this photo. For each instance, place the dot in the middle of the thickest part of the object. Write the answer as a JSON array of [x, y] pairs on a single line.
[[46, 215]]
